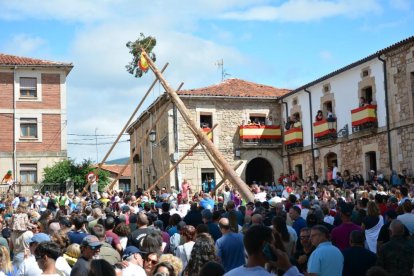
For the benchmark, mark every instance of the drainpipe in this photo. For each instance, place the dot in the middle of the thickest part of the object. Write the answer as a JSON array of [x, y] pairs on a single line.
[[175, 126], [311, 127], [287, 116], [14, 125], [387, 112]]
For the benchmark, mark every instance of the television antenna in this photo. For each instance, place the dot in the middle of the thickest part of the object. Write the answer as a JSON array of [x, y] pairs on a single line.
[[220, 64]]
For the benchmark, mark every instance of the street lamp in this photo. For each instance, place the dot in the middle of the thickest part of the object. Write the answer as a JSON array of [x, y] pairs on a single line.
[[152, 136]]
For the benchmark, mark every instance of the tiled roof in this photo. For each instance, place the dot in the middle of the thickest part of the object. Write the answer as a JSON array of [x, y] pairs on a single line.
[[117, 168], [15, 60], [352, 65], [236, 88]]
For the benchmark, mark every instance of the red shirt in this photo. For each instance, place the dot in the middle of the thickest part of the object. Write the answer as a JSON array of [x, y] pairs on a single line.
[[112, 238]]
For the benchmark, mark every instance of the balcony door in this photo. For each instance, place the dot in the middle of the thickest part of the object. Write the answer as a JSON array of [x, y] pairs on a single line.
[[259, 171]]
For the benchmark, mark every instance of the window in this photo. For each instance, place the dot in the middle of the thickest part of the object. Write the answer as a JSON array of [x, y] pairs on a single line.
[[257, 119], [28, 173], [206, 120], [327, 107], [295, 101], [367, 94], [28, 128], [365, 73], [125, 185], [326, 88], [28, 87]]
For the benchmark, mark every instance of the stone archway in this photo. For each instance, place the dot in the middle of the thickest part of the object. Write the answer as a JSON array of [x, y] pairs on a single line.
[[259, 170]]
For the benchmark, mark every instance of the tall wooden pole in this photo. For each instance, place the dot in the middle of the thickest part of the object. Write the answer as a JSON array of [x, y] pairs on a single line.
[[130, 119], [229, 173], [223, 180], [176, 164]]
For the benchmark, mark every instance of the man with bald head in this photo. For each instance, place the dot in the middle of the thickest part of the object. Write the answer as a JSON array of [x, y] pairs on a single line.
[[230, 247], [257, 219], [396, 256]]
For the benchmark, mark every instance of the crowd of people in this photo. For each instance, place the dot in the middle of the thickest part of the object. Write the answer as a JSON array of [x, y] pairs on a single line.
[[293, 227]]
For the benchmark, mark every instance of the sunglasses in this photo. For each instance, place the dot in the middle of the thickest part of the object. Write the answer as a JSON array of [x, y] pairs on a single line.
[[154, 262], [94, 247], [37, 257]]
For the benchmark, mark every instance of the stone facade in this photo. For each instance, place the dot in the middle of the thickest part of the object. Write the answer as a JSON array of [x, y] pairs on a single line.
[[228, 112]]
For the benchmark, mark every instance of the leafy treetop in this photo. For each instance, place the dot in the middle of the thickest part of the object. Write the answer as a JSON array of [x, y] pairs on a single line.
[[61, 171], [135, 48]]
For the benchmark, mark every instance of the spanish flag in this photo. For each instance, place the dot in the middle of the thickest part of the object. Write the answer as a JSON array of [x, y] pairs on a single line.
[[143, 64]]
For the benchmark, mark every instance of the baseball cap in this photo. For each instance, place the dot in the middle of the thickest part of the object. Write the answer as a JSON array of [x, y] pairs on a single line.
[[91, 240], [130, 250], [38, 238], [125, 208]]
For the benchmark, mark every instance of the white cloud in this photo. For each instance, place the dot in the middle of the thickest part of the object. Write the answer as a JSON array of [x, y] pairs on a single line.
[[325, 55], [306, 10], [24, 44]]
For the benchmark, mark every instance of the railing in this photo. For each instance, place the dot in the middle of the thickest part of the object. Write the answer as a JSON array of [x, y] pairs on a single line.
[[324, 129], [364, 117], [293, 138], [259, 134]]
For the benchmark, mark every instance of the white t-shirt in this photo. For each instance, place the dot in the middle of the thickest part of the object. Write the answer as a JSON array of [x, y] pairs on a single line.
[[29, 267], [250, 271], [226, 197], [63, 266], [133, 270]]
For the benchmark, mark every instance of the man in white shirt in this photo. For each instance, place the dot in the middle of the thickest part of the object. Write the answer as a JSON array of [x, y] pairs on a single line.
[[135, 262], [29, 266], [334, 171]]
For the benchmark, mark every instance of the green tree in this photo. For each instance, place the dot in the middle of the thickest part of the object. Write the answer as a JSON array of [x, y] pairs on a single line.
[[63, 170]]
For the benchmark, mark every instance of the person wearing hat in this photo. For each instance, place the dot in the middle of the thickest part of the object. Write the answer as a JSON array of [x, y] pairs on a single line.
[[29, 265], [90, 248], [133, 256]]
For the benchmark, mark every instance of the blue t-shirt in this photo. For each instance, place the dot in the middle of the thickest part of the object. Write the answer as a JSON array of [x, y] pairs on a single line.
[[76, 237], [299, 224], [214, 230], [207, 203], [230, 249], [326, 260]]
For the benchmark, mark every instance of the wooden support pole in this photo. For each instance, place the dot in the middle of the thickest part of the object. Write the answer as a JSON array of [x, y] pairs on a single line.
[[110, 187], [224, 180], [229, 173], [176, 164], [130, 119]]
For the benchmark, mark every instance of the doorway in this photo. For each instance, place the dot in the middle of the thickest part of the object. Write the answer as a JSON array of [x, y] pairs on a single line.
[[259, 171]]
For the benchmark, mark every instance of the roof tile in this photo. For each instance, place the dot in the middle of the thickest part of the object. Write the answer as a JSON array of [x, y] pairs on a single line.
[[16, 60], [236, 88]]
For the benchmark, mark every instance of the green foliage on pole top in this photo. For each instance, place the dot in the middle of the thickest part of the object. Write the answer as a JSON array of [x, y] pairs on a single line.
[[135, 48]]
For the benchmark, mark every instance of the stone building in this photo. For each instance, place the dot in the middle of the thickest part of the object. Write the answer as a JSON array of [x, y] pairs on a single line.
[[376, 136], [248, 120], [367, 124], [32, 116]]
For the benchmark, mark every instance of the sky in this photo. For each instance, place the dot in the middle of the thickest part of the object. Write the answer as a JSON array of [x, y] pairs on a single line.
[[284, 44]]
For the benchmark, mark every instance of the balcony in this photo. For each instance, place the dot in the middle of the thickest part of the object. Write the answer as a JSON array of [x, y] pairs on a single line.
[[206, 130], [293, 138], [259, 136], [324, 130], [364, 118]]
